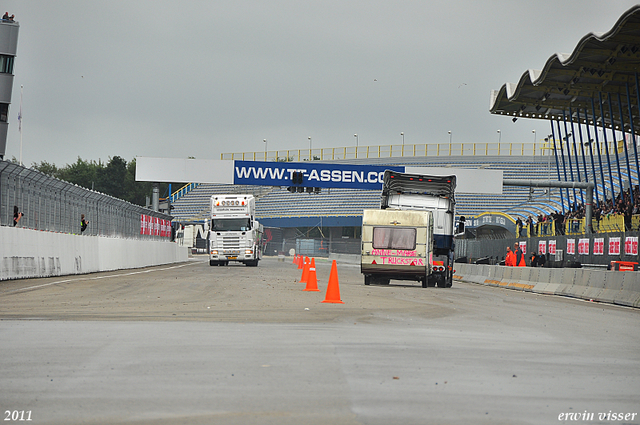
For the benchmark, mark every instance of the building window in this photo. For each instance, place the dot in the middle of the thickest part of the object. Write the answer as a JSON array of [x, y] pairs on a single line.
[[6, 64], [4, 112]]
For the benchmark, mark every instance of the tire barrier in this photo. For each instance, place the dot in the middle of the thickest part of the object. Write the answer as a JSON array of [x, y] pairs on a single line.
[[615, 287]]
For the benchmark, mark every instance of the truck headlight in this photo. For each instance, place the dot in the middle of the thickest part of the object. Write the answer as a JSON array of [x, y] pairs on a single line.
[[248, 251], [214, 252]]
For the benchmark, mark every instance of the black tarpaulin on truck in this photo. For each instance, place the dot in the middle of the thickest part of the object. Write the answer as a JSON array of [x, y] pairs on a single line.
[[395, 182]]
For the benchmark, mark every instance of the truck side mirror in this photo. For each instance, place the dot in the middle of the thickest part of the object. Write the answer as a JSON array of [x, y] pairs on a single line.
[[460, 227]]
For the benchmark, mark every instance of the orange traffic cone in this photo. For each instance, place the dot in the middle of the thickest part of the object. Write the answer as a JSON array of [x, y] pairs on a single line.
[[333, 289], [312, 281], [300, 262], [295, 259], [305, 270]]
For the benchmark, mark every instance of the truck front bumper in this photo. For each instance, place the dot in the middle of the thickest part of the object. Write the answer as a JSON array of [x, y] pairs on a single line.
[[231, 255]]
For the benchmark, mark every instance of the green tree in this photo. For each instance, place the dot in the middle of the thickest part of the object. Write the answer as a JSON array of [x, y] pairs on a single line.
[[135, 192], [46, 168], [111, 179], [83, 173]]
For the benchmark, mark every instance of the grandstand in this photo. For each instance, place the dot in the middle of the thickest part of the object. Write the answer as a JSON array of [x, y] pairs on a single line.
[[276, 207]]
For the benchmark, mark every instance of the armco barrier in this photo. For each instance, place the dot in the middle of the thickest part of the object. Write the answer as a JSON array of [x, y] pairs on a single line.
[[614, 287], [26, 253]]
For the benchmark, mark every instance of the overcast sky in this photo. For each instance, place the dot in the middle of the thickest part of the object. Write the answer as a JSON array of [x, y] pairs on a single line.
[[201, 78]]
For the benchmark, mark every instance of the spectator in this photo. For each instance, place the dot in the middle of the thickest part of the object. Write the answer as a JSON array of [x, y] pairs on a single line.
[[510, 259], [520, 261], [83, 224], [17, 215]]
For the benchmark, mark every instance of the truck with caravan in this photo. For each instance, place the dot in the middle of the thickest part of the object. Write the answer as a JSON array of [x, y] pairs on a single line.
[[399, 245], [234, 233]]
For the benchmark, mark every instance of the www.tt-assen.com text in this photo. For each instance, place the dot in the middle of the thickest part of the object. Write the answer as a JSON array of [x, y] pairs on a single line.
[[336, 176]]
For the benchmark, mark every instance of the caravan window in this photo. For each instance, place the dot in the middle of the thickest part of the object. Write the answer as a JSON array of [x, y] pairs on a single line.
[[394, 238]]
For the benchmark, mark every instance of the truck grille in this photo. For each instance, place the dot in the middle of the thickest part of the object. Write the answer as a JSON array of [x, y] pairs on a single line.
[[231, 242]]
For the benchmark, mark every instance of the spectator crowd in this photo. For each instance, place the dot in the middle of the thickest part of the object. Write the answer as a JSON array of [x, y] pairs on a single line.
[[622, 205]]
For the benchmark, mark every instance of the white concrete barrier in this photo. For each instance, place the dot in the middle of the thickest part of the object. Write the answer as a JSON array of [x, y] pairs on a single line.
[[606, 286], [26, 253]]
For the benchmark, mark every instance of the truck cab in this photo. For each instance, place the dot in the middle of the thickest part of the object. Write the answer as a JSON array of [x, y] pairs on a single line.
[[234, 234]]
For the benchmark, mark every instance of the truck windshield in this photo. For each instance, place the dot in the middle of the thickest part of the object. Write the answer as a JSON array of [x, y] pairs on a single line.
[[232, 224], [394, 238]]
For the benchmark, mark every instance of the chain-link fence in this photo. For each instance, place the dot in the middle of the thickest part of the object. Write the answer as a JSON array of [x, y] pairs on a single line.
[[51, 204]]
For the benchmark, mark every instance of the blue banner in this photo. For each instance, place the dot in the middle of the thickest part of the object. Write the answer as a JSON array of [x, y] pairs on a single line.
[[315, 174]]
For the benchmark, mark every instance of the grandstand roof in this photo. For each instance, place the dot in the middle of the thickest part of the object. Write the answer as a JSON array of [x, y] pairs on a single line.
[[602, 66]]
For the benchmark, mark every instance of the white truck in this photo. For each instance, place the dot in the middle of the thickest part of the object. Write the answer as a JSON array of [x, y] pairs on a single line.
[[426, 193], [234, 233]]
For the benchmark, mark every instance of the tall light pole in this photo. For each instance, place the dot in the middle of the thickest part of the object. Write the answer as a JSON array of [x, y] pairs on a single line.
[[265, 148], [356, 136], [449, 136], [310, 156], [402, 134], [534, 136], [499, 136]]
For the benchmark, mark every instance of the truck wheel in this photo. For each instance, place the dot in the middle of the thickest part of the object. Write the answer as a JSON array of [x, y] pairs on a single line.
[[213, 263], [253, 263], [367, 280]]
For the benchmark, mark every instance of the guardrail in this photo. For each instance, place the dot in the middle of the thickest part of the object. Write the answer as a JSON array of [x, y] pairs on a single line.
[[400, 151], [576, 226], [55, 205], [183, 191], [622, 288]]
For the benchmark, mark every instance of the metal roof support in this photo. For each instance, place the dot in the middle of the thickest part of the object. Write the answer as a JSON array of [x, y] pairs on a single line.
[[575, 149], [593, 166], [541, 183], [584, 162], [633, 133], [626, 149], [564, 167], [566, 137], [555, 153], [615, 148], [606, 146]]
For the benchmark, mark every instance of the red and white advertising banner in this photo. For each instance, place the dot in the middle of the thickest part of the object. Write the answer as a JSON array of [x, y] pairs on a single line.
[[542, 247], [631, 245], [154, 226], [571, 246], [523, 247], [142, 224], [614, 246], [598, 246], [583, 246], [552, 247]]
